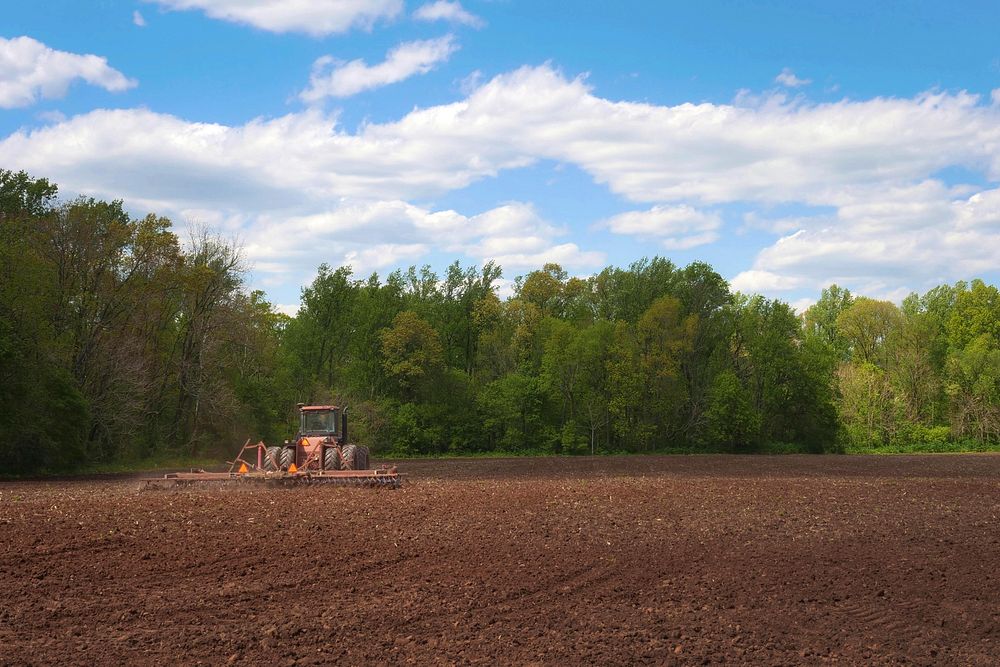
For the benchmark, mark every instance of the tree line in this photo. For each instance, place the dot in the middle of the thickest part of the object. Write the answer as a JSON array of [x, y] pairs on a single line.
[[120, 341]]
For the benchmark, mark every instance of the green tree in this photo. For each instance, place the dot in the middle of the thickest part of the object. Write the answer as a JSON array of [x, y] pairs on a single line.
[[974, 390], [511, 410], [705, 295], [820, 319], [543, 288], [866, 325], [648, 398], [22, 196], [411, 354], [732, 419], [325, 322], [43, 417], [976, 313], [866, 404]]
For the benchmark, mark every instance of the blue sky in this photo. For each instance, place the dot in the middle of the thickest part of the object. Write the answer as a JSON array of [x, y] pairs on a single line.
[[789, 144]]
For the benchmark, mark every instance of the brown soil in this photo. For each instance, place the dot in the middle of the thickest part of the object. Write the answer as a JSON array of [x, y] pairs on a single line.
[[659, 560]]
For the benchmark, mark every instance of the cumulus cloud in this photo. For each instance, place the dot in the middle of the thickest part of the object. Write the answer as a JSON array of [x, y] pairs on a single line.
[[366, 260], [867, 166], [290, 309], [565, 254], [822, 155], [752, 282], [787, 78], [370, 235], [138, 19], [313, 17], [754, 220], [52, 116], [30, 71], [680, 227], [444, 10], [331, 78], [887, 243]]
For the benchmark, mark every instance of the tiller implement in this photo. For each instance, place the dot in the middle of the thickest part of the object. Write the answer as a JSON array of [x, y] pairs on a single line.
[[318, 454]]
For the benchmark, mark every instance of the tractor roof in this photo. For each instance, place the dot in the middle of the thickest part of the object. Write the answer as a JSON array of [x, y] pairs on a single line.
[[318, 408]]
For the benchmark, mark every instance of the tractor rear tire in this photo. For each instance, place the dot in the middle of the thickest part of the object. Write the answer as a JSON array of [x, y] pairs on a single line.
[[361, 459], [287, 457], [331, 459], [348, 457], [272, 459]]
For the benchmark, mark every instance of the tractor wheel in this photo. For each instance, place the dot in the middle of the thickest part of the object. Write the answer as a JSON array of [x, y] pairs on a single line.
[[287, 458], [348, 457], [361, 458], [272, 458], [331, 459]]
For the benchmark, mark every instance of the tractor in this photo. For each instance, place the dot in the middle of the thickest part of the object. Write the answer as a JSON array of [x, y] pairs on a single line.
[[319, 453], [320, 444]]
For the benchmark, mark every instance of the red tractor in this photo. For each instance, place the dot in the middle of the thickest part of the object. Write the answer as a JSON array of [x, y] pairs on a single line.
[[319, 454], [320, 444]]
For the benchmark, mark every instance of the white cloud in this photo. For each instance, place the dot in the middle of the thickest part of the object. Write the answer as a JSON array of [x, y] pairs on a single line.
[[313, 17], [688, 242], [370, 235], [800, 306], [819, 155], [505, 287], [868, 166], [787, 78], [566, 254], [681, 227], [52, 116], [753, 282], [367, 260], [915, 237], [290, 309], [980, 211], [443, 10], [30, 70], [469, 83], [138, 19], [331, 78], [779, 225], [516, 237]]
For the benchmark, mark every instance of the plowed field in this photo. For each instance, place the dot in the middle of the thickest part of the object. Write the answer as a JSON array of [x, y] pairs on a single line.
[[656, 560]]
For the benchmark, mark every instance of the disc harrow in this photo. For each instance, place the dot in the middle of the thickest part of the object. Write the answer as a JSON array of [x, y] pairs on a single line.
[[273, 465], [383, 478]]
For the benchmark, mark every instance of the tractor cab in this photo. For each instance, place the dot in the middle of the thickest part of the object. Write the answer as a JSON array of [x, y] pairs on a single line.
[[319, 420]]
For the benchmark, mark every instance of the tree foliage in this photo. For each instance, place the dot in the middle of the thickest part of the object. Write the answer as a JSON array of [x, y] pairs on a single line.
[[119, 339]]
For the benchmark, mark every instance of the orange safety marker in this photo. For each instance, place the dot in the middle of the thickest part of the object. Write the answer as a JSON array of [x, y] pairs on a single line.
[[292, 468], [243, 468]]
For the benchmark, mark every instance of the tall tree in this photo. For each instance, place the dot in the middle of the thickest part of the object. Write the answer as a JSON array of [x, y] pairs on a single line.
[[820, 319], [866, 325]]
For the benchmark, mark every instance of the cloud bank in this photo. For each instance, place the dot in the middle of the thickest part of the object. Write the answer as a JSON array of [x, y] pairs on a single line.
[[872, 166]]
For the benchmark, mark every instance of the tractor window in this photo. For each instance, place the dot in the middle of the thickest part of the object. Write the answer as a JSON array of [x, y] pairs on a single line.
[[315, 421]]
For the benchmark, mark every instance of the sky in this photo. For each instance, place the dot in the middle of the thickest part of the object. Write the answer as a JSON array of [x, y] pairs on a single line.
[[790, 144]]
